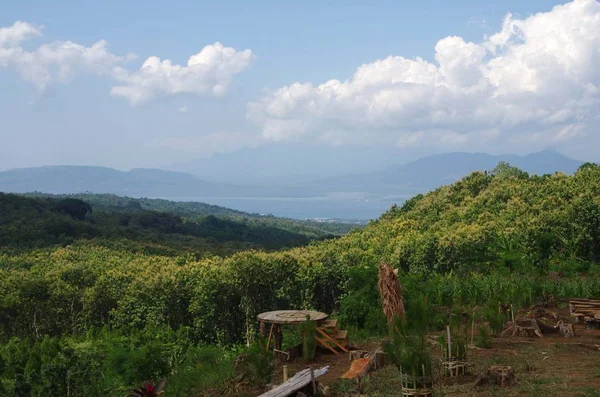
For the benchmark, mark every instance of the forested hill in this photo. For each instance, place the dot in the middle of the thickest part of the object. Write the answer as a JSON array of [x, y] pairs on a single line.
[[193, 210], [112, 317], [152, 226], [487, 220]]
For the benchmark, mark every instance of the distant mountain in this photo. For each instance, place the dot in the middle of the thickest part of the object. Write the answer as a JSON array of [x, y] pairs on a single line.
[[433, 171], [413, 177], [292, 164]]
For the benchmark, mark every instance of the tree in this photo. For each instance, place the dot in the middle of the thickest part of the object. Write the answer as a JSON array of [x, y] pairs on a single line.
[[75, 208]]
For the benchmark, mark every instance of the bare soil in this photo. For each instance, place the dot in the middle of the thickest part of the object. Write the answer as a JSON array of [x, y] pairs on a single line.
[[550, 366]]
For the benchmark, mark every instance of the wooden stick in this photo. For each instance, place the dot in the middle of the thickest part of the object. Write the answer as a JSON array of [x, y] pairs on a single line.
[[285, 374], [449, 347], [312, 380], [270, 334], [473, 328]]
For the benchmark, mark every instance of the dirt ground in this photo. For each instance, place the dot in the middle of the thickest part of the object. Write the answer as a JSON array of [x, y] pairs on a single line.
[[548, 366]]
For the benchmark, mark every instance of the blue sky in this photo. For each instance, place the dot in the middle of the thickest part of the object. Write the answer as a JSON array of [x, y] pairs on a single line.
[[74, 119]]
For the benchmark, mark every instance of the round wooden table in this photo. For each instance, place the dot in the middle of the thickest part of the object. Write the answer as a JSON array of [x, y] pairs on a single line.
[[278, 317]]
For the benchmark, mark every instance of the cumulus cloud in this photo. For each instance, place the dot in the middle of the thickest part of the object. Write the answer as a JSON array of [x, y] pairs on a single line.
[[208, 72], [535, 80], [51, 62]]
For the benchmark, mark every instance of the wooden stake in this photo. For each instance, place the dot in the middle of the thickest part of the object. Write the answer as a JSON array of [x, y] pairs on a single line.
[[512, 313], [285, 374], [473, 328], [270, 334], [449, 347], [312, 380]]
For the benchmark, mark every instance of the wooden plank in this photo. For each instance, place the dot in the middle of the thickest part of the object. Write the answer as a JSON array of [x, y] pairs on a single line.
[[295, 383], [329, 338], [325, 344]]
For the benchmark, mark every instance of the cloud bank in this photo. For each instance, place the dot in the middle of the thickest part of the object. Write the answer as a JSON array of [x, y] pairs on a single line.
[[208, 72], [535, 81]]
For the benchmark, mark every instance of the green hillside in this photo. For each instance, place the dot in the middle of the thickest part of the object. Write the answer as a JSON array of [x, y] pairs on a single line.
[[489, 237], [147, 226]]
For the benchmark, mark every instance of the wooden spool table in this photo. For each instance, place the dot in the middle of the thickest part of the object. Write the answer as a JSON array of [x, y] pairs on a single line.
[[283, 317]]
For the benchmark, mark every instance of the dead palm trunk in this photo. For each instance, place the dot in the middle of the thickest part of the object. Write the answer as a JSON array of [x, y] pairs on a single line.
[[391, 292]]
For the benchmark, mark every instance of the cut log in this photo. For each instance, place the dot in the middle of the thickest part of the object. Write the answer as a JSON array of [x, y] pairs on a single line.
[[546, 327], [591, 323], [499, 375]]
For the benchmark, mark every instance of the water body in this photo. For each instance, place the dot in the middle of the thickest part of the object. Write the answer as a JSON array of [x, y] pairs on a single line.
[[339, 206]]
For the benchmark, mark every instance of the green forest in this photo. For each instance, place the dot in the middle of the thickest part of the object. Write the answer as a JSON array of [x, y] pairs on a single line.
[[99, 293]]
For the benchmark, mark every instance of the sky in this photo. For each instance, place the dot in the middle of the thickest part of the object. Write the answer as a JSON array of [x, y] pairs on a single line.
[[152, 83]]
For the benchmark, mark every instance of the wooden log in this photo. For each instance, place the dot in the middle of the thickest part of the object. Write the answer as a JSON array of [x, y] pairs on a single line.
[[546, 327]]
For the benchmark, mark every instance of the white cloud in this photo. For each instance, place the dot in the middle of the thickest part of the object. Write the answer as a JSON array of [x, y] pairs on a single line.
[[183, 109], [52, 62], [536, 80], [208, 72]]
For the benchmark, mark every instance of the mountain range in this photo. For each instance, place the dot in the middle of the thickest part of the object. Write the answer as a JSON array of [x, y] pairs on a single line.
[[413, 177]]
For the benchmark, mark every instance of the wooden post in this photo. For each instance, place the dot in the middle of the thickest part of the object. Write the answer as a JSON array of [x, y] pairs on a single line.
[[312, 380], [263, 330], [285, 374], [449, 347], [472, 328], [278, 337], [512, 313], [270, 335]]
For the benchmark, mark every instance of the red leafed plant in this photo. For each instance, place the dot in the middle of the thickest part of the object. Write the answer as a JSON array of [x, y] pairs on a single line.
[[149, 389]]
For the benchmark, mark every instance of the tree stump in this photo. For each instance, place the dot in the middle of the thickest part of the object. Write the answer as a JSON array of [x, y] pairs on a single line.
[[566, 329], [522, 327], [592, 323], [500, 375]]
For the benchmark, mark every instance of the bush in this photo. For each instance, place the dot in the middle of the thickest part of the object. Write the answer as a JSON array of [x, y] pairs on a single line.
[[483, 338]]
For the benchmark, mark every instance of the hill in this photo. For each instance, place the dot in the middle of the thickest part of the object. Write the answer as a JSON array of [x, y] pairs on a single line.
[[433, 171], [147, 225], [193, 211], [138, 182], [501, 236]]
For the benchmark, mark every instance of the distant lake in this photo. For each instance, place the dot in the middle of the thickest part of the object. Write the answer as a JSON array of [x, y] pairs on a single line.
[[343, 206]]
